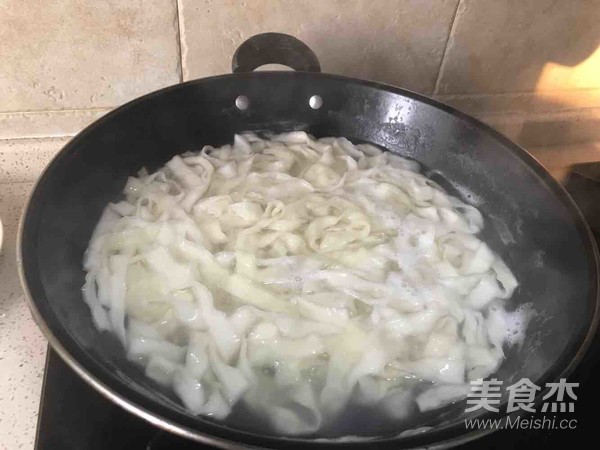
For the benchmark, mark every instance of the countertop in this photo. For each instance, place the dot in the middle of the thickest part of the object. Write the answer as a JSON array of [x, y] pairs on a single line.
[[22, 346]]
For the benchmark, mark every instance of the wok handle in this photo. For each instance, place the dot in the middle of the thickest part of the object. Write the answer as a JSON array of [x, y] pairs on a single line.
[[274, 48]]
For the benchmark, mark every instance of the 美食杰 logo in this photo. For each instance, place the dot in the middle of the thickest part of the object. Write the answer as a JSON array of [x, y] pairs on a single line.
[[487, 395]]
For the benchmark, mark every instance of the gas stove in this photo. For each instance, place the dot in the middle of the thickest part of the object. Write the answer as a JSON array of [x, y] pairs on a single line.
[[73, 416]]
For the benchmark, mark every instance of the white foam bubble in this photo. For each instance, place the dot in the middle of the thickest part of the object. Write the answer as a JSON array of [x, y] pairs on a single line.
[[516, 323]]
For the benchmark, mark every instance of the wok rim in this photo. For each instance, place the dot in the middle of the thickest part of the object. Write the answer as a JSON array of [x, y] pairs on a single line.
[[451, 435]]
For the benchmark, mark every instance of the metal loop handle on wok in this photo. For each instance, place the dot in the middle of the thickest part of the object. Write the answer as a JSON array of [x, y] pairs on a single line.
[[274, 48]]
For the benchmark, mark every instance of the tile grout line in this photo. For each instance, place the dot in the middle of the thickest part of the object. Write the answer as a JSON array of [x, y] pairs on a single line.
[[179, 40], [436, 88], [4, 183], [58, 111], [516, 115], [477, 95], [41, 136]]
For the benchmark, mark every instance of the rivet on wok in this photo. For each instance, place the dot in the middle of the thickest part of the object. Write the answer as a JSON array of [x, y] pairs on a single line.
[[315, 102], [242, 102]]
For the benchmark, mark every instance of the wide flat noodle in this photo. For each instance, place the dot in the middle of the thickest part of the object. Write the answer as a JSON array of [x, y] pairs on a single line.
[[299, 276]]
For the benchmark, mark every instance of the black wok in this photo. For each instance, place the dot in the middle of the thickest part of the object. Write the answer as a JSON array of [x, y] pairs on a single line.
[[531, 221]]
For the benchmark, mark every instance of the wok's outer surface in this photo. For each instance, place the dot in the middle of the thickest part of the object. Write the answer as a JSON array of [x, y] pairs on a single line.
[[531, 222]]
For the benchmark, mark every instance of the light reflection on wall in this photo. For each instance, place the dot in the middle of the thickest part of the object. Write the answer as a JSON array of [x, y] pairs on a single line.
[[577, 88], [556, 77]]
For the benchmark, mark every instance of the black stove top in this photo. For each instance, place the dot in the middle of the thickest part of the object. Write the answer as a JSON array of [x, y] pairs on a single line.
[[73, 416]]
